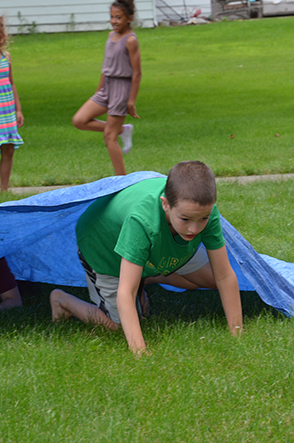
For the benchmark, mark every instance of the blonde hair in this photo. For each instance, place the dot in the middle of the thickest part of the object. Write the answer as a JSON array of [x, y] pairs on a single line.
[[3, 35]]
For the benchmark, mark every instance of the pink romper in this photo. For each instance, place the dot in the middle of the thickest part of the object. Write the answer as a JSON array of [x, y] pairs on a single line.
[[118, 72]]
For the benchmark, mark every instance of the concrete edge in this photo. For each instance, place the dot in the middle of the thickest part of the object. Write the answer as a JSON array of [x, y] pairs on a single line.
[[242, 180]]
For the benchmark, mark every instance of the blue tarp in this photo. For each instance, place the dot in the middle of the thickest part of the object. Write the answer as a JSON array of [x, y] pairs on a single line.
[[37, 237]]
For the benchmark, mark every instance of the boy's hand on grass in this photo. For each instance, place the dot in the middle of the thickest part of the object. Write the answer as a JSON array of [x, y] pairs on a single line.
[[236, 330], [140, 352]]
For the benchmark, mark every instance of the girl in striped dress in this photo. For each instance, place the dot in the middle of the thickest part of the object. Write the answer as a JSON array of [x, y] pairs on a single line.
[[11, 117]]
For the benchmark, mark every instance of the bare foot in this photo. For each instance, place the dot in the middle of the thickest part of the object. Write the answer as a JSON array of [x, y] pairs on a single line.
[[58, 312]]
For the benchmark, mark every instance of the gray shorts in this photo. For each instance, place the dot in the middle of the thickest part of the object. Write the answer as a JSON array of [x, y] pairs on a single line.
[[199, 259], [103, 291], [103, 288], [114, 95]]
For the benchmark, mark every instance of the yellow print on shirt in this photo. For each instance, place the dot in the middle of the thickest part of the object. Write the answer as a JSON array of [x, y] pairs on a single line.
[[169, 264]]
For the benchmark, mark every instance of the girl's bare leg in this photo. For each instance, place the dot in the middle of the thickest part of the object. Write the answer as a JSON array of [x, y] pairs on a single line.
[[112, 130], [65, 305], [7, 152], [85, 117]]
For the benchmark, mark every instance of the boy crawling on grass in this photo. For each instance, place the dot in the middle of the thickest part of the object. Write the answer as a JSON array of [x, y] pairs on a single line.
[[156, 231]]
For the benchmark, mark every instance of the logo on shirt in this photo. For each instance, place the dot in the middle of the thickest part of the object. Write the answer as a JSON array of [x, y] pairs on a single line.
[[168, 264]]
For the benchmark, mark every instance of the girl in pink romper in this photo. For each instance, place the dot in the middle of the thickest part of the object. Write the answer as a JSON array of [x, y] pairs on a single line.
[[118, 87]]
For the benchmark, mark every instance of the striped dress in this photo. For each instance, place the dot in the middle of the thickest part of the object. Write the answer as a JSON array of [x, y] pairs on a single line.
[[8, 125]]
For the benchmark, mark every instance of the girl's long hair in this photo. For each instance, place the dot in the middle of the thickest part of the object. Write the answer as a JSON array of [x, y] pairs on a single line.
[[3, 34]]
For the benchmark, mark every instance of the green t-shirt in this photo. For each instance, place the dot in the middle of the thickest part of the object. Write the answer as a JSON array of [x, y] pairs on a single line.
[[133, 225]]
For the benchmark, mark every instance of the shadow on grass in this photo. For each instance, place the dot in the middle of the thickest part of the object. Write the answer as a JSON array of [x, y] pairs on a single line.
[[36, 311], [192, 305], [165, 306]]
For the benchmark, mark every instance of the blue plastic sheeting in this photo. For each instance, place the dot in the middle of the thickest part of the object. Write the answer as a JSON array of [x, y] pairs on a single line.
[[37, 234], [37, 237], [270, 281]]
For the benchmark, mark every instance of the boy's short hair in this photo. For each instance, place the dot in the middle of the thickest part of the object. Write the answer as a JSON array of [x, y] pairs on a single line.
[[190, 180]]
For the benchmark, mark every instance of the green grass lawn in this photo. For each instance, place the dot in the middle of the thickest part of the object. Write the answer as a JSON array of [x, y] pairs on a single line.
[[78, 383], [71, 382], [200, 86]]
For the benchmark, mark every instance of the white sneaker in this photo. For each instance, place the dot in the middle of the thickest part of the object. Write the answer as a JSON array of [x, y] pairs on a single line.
[[126, 137]]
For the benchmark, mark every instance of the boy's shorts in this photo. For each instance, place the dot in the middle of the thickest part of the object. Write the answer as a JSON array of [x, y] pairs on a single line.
[[7, 280], [199, 259], [114, 95], [103, 288]]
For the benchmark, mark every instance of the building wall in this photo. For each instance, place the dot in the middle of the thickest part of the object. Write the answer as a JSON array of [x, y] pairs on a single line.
[[24, 16]]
